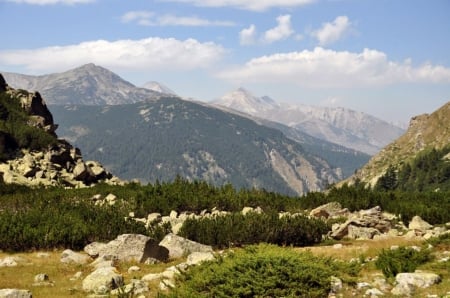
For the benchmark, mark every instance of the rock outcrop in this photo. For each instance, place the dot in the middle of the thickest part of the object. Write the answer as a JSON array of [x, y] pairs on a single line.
[[179, 247], [58, 164]]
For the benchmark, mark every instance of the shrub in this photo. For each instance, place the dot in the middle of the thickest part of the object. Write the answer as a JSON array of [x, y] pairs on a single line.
[[403, 259], [237, 229], [260, 271]]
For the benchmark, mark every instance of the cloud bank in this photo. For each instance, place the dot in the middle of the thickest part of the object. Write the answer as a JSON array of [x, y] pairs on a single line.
[[327, 68], [143, 54]]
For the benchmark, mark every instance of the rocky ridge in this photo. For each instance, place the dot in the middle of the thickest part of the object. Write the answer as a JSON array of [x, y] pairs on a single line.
[[59, 164]]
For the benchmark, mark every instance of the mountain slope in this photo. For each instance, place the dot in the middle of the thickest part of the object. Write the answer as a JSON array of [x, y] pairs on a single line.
[[160, 139], [345, 127], [425, 132], [158, 87], [87, 85]]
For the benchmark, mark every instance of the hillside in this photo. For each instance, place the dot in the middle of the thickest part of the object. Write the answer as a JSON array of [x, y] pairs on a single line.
[[87, 85], [160, 139], [345, 127], [426, 133]]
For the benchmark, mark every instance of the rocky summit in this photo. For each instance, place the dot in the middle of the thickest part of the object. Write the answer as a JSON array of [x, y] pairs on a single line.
[[59, 163]]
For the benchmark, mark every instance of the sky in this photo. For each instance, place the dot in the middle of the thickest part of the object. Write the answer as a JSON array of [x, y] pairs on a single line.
[[388, 58]]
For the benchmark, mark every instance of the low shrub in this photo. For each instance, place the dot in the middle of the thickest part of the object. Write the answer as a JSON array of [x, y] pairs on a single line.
[[260, 271], [403, 259]]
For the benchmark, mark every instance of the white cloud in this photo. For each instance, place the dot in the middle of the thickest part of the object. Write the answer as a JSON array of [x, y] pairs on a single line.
[[282, 31], [148, 18], [143, 54], [332, 32], [255, 5], [247, 36], [328, 68], [51, 2]]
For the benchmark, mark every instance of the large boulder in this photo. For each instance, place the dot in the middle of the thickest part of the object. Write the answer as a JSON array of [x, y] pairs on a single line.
[[407, 282], [15, 293], [179, 247], [332, 209], [129, 247], [103, 280]]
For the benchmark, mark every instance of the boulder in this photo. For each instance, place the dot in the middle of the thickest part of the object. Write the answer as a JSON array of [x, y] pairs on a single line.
[[103, 280], [15, 293], [132, 289], [129, 247], [69, 256], [418, 279], [331, 209], [417, 223], [179, 246], [361, 233], [198, 257], [9, 262]]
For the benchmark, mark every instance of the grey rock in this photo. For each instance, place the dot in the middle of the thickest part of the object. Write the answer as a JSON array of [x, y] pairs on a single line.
[[418, 279], [130, 247], [374, 292], [417, 223], [69, 256], [102, 280], [179, 246], [196, 258]]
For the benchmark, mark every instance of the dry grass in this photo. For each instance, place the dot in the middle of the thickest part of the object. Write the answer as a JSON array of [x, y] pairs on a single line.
[[22, 276]]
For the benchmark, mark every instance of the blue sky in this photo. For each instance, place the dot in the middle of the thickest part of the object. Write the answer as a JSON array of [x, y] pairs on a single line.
[[384, 57]]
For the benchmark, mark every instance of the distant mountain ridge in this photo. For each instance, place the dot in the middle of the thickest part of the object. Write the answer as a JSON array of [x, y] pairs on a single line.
[[425, 132], [159, 139], [342, 126], [87, 85], [158, 87]]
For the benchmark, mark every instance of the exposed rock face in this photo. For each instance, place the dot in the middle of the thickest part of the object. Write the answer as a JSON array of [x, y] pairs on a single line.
[[129, 247]]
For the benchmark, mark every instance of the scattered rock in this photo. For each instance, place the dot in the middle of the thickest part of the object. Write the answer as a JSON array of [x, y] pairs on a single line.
[[407, 282], [9, 262], [374, 292], [136, 287], [133, 269], [42, 279]]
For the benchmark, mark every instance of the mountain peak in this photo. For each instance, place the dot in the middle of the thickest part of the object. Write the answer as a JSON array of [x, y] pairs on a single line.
[[158, 87], [243, 100]]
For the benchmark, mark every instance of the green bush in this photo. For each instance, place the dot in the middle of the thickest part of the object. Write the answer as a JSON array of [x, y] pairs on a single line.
[[403, 259], [237, 229], [260, 271]]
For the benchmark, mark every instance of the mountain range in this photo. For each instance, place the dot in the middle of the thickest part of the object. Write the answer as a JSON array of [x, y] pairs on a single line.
[[342, 126], [97, 110]]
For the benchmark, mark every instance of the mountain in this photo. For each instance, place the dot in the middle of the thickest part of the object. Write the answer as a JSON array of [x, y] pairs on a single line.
[[160, 139], [345, 127], [87, 85], [30, 152], [158, 87], [427, 135]]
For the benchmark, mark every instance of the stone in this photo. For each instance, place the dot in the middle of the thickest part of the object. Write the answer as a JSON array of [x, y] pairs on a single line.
[[133, 269], [153, 218], [82, 172], [136, 287], [69, 256], [95, 248], [173, 214], [327, 210], [336, 284], [418, 279], [196, 258], [417, 223], [374, 292], [77, 276], [130, 247], [15, 293], [361, 233], [403, 290], [42, 279], [9, 262], [151, 277], [102, 280], [179, 246]]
